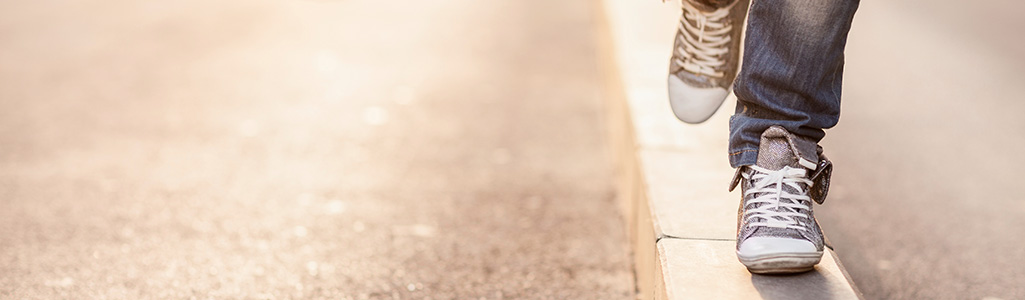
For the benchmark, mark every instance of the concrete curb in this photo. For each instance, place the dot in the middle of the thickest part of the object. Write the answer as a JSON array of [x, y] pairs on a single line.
[[672, 178]]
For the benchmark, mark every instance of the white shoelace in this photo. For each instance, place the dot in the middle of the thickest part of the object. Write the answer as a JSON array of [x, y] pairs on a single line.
[[773, 211], [706, 42]]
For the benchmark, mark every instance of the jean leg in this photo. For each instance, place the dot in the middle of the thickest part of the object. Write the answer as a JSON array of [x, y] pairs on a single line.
[[792, 71]]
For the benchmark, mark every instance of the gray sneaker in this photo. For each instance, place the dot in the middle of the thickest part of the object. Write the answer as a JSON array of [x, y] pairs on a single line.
[[706, 57], [776, 227]]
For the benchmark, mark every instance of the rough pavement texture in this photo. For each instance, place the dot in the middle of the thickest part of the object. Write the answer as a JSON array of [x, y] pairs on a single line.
[[925, 201], [304, 149]]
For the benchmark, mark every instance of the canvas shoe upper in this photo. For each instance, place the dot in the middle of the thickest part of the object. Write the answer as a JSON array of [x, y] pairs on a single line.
[[706, 56], [776, 227]]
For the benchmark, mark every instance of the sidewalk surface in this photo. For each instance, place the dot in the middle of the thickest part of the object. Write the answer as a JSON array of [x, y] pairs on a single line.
[[923, 202], [448, 149], [674, 178]]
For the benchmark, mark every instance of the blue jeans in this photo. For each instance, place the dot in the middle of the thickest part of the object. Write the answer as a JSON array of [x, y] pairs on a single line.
[[792, 71]]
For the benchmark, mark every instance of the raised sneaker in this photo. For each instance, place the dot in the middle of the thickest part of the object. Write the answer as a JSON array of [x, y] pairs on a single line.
[[706, 57]]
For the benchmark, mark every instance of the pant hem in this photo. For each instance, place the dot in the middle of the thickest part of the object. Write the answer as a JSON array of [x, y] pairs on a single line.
[[743, 157]]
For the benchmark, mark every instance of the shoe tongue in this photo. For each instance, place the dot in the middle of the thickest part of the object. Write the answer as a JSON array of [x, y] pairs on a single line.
[[775, 151], [710, 5], [705, 5]]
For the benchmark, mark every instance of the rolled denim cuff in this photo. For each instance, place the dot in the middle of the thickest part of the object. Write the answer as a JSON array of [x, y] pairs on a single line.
[[744, 157]]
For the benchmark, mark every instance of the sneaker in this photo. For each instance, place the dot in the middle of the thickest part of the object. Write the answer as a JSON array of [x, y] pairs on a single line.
[[776, 228], [705, 57]]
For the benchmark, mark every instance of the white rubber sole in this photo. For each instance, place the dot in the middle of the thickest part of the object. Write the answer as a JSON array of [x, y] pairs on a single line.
[[781, 263], [694, 105]]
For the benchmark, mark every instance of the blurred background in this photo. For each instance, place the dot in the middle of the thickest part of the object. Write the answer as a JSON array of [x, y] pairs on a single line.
[[925, 204], [305, 149], [446, 149]]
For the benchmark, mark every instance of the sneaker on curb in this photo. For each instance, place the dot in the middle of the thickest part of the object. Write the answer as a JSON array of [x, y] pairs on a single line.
[[776, 229], [706, 57]]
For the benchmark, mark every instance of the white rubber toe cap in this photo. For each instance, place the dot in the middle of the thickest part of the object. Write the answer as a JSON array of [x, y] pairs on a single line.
[[692, 104], [766, 246]]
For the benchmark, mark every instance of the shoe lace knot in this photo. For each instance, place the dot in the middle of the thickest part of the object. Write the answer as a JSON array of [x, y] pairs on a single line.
[[773, 204], [706, 38]]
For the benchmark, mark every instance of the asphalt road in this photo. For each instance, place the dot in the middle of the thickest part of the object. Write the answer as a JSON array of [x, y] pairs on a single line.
[[925, 202], [351, 149]]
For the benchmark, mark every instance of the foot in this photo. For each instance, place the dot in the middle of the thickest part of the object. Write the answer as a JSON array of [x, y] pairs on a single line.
[[776, 230], [706, 57]]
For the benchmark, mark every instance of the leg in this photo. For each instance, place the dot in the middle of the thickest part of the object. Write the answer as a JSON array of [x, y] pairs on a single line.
[[788, 91], [792, 71]]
